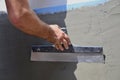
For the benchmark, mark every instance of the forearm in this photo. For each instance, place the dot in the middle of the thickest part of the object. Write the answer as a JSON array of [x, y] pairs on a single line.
[[26, 20], [31, 24]]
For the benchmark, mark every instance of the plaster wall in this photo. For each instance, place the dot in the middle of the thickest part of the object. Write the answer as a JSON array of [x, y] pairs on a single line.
[[95, 25]]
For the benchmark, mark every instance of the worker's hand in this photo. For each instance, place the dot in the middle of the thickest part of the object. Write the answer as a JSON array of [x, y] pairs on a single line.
[[58, 38]]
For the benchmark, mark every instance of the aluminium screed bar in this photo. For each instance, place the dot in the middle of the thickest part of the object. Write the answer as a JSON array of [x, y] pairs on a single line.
[[73, 54]]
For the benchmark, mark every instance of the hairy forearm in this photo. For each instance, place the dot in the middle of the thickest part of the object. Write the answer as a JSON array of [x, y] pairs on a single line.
[[26, 20], [31, 24]]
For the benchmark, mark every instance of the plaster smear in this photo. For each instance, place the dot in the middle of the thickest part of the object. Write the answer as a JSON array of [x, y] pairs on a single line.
[[98, 25]]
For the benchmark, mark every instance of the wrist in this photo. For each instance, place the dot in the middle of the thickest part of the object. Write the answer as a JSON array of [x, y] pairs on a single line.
[[47, 33]]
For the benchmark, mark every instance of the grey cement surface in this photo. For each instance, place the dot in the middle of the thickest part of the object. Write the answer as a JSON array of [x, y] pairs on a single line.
[[15, 49], [96, 26]]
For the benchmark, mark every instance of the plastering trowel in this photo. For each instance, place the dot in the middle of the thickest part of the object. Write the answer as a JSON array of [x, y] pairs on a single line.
[[73, 54]]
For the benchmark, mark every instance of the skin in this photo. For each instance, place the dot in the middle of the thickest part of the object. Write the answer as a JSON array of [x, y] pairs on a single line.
[[21, 15]]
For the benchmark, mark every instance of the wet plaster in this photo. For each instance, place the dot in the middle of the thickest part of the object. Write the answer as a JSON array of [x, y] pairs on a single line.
[[97, 26], [87, 26]]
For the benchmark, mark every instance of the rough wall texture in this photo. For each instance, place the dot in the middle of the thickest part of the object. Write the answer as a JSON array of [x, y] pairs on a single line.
[[97, 25]]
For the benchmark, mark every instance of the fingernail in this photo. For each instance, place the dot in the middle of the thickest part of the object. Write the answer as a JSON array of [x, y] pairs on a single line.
[[67, 47], [62, 49], [69, 43], [57, 48]]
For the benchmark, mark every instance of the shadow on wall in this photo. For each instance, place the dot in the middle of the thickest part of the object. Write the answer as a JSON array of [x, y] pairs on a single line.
[[15, 47]]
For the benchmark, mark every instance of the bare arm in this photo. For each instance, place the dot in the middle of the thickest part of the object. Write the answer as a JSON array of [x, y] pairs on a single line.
[[26, 20]]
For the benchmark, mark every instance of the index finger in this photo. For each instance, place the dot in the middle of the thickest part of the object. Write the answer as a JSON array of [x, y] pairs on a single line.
[[67, 39]]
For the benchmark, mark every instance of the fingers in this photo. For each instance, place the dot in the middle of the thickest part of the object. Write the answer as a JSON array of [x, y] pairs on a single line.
[[63, 43], [59, 47], [67, 39], [59, 38]]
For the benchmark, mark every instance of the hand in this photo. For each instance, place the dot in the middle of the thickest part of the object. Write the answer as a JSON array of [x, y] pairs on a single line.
[[58, 37]]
